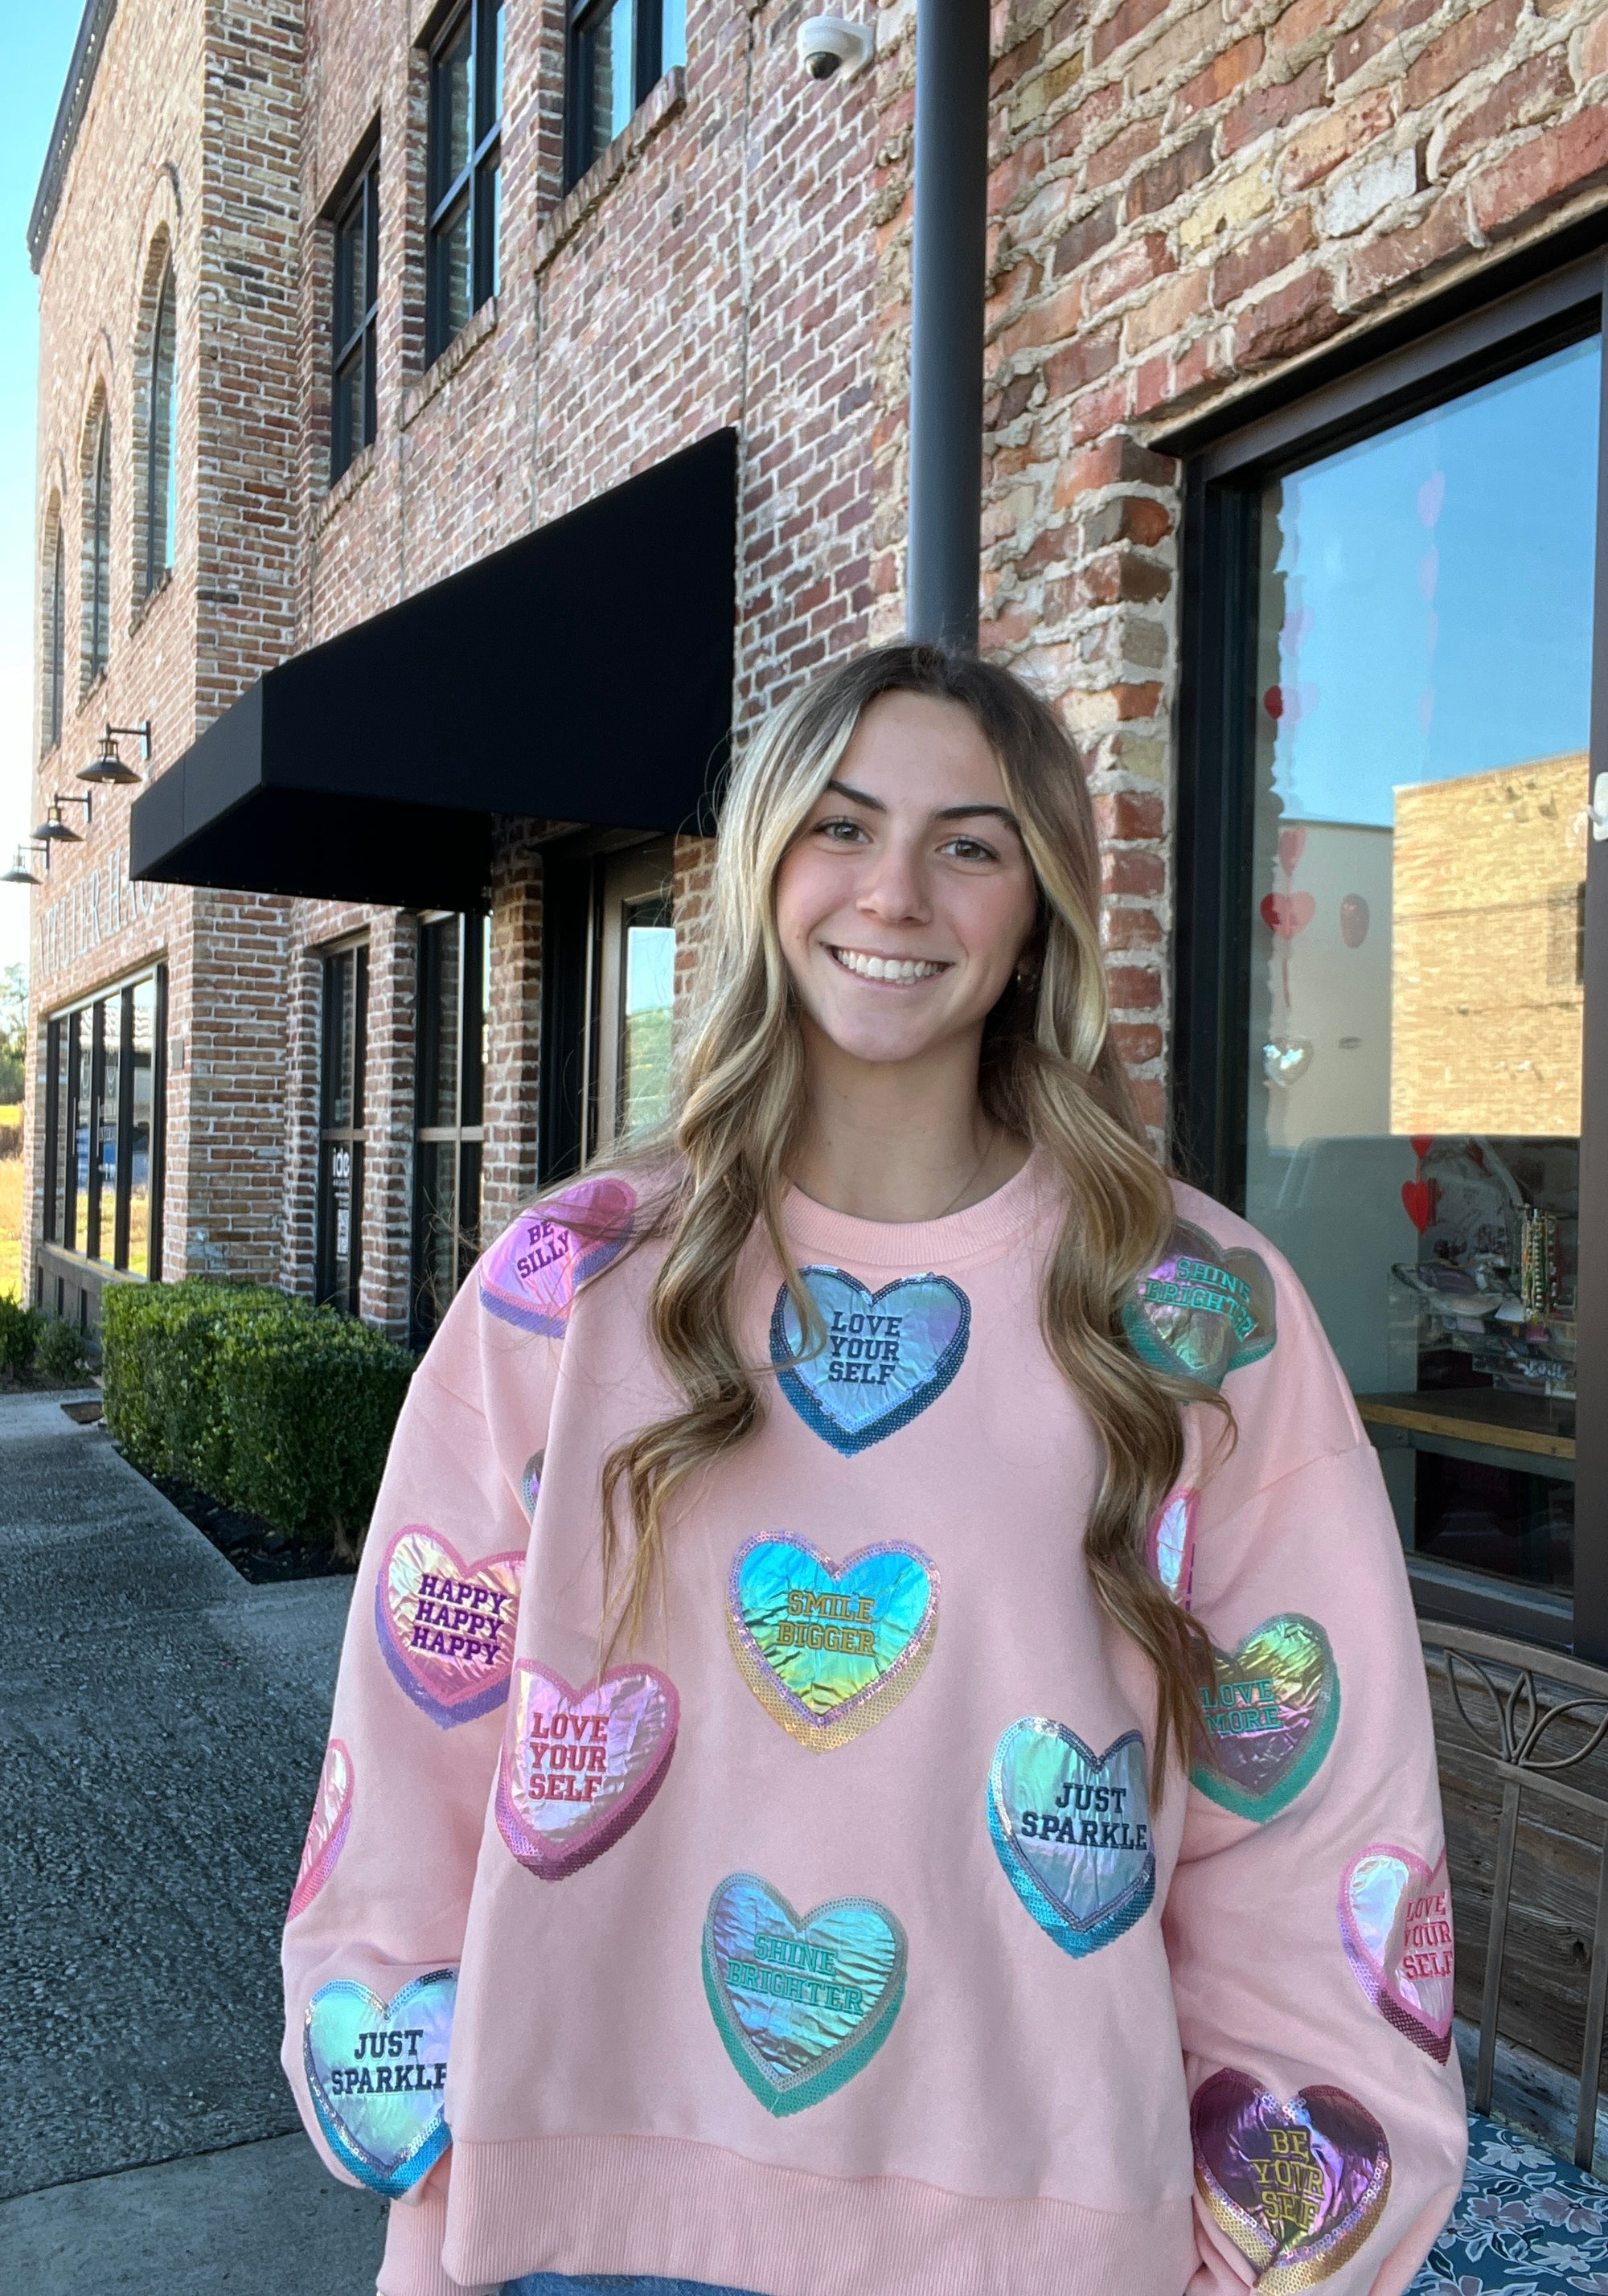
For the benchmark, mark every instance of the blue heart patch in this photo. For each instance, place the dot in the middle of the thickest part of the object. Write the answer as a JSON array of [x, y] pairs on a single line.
[[801, 2006], [888, 1355], [1071, 1829], [376, 2072]]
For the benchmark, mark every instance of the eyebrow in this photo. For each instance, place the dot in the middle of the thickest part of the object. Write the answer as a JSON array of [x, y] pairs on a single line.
[[945, 813]]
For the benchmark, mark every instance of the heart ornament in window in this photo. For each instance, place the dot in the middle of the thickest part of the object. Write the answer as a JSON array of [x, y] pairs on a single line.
[[1203, 1311], [1396, 1925], [376, 2072], [531, 1273], [1297, 2188]]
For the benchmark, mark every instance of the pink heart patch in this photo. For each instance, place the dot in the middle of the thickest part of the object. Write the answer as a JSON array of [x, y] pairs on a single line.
[[446, 1626], [580, 1768], [531, 1275], [1396, 1925], [326, 1828], [1297, 2188]]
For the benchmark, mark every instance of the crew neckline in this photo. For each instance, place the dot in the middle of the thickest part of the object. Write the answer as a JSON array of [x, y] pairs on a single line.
[[814, 1228]]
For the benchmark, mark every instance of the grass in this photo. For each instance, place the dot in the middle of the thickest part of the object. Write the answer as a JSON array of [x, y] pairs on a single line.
[[10, 1223]]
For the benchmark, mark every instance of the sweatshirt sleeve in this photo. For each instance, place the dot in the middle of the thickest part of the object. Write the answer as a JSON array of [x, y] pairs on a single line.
[[377, 1919], [1308, 1921]]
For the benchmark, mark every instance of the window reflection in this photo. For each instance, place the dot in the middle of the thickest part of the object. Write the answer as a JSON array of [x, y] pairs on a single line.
[[1422, 696]]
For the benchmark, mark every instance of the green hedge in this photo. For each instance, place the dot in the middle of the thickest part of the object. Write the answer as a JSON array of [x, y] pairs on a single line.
[[267, 1404]]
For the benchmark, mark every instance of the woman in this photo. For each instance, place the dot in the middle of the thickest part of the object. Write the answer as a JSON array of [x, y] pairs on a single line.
[[940, 1796]]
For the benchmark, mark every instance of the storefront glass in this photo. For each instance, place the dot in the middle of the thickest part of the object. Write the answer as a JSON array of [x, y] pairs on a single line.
[[104, 1118], [340, 1238], [1417, 971], [455, 963]]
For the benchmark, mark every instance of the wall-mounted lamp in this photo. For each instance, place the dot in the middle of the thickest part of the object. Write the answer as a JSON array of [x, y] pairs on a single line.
[[53, 829], [107, 766], [20, 874]]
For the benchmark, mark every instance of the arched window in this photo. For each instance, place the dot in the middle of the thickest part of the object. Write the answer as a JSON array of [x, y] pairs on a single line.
[[159, 505], [52, 624], [96, 644]]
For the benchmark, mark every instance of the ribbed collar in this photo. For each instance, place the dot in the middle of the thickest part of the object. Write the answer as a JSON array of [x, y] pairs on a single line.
[[816, 1233]]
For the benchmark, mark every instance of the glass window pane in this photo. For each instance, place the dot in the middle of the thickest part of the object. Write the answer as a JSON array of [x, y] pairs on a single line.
[[350, 300], [438, 1269], [489, 192], [109, 1032], [80, 1063], [494, 36], [650, 986], [673, 34], [442, 1105], [613, 42], [143, 1057], [450, 113], [1423, 701], [449, 255]]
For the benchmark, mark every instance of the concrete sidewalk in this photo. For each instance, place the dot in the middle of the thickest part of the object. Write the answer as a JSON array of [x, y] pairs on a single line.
[[161, 1725]]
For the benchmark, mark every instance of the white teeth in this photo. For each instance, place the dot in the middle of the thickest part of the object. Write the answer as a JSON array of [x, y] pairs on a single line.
[[885, 968]]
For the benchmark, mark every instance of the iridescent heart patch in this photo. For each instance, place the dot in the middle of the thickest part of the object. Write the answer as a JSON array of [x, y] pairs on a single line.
[[1202, 1312], [531, 1275], [888, 1354], [802, 2005], [1396, 1925], [326, 1828], [829, 1649], [376, 2072], [1071, 1829], [1171, 1544], [530, 1481], [1297, 2188], [1270, 1716], [579, 1767], [445, 1625]]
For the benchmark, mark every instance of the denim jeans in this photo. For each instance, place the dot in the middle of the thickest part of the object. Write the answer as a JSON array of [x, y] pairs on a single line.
[[555, 2283]]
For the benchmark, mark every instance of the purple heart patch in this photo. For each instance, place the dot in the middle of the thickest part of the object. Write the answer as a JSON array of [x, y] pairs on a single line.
[[446, 1626], [531, 1273], [1297, 2188]]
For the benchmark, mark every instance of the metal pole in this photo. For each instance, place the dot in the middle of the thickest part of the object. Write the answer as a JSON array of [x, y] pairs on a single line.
[[946, 320]]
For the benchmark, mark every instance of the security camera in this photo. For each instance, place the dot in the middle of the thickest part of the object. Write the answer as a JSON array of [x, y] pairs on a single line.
[[828, 44]]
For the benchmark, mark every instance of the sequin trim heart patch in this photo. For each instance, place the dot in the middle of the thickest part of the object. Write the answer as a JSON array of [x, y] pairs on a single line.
[[531, 1275], [1297, 2188], [829, 1650], [530, 1481], [1172, 1544], [579, 1767], [1071, 1829], [801, 2006], [888, 1354], [376, 2072], [1202, 1312], [445, 1625], [326, 1828], [1396, 1925], [1270, 1717]]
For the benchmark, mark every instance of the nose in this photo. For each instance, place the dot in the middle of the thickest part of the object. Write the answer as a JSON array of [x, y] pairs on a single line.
[[895, 888]]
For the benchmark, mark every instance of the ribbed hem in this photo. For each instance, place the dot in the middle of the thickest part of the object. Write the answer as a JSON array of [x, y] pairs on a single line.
[[691, 2211], [922, 1244], [413, 2265]]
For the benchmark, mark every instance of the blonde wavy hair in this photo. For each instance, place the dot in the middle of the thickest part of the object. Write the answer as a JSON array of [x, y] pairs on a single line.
[[1049, 1074]]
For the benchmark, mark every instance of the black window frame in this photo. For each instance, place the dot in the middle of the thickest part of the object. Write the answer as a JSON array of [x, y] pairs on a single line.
[[465, 1135], [334, 1138], [161, 395], [581, 146], [477, 184], [1223, 476], [97, 554], [354, 222], [64, 1032]]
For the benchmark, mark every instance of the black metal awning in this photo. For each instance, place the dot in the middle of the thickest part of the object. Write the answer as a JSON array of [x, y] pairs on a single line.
[[581, 673]]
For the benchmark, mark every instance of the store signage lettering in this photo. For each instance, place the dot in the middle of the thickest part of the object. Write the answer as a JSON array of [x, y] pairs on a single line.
[[99, 905]]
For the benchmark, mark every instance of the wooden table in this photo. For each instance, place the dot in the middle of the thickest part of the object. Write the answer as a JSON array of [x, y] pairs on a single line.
[[1533, 1434]]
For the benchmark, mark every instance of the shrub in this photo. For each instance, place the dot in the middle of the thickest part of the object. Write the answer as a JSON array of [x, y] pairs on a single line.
[[311, 1405], [60, 1352], [19, 1329], [275, 1406]]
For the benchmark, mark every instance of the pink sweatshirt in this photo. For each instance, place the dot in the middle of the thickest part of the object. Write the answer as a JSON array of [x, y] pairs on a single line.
[[832, 1943]]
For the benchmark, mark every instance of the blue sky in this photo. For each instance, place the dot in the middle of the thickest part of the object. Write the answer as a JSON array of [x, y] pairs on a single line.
[[39, 46]]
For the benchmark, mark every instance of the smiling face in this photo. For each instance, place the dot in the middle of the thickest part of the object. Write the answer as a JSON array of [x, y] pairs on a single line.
[[906, 897]]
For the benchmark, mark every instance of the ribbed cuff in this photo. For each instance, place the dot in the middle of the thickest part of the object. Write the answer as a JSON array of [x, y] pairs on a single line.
[[413, 2263]]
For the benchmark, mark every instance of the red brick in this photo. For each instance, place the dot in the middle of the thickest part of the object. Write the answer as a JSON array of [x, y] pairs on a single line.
[[1219, 79], [1134, 266], [1136, 1042], [1290, 319], [1258, 257], [1133, 988], [1384, 263], [1132, 869], [1130, 928], [1165, 312], [1170, 178], [1125, 23], [1317, 150], [1081, 362], [1085, 238], [1594, 50], [1540, 86], [1389, 19], [1113, 159], [1150, 1101], [1124, 816], [1471, 42], [1266, 108], [1544, 171], [1306, 21]]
